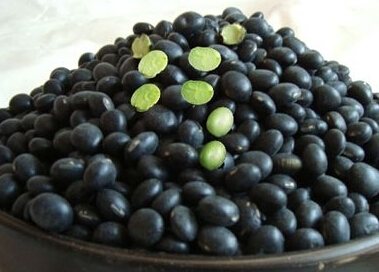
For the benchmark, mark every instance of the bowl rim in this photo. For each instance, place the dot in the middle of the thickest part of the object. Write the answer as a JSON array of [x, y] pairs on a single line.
[[336, 254]]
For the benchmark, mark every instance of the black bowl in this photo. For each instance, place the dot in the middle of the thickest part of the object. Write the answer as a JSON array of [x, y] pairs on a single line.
[[26, 248]]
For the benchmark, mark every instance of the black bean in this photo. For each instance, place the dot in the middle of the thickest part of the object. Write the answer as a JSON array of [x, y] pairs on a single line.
[[314, 159], [258, 26], [297, 197], [284, 55], [282, 122], [335, 120], [284, 94], [354, 152], [268, 197], [271, 65], [244, 112], [9, 190], [160, 119], [114, 143], [166, 201], [183, 223], [87, 215], [144, 143], [349, 113], [146, 227], [246, 50], [285, 182], [172, 75], [262, 103], [26, 166], [364, 179], [294, 43], [163, 28], [258, 158], [216, 240], [326, 187], [242, 177], [311, 60], [66, 170], [305, 238], [10, 126], [267, 239], [218, 211], [297, 75], [272, 40], [335, 142], [51, 212], [104, 69], [359, 133], [100, 173], [363, 224], [86, 138], [171, 244], [179, 155], [308, 214], [295, 111], [20, 103], [194, 191], [6, 168], [340, 166], [17, 143], [189, 23], [150, 166], [19, 204], [236, 143], [146, 192], [269, 142], [251, 129], [236, 86], [112, 121], [361, 91], [284, 220], [40, 184], [326, 98], [342, 204], [263, 79], [111, 233], [143, 28], [286, 163], [112, 205]]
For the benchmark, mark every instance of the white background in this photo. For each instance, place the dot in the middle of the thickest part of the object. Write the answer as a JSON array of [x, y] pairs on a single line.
[[38, 35]]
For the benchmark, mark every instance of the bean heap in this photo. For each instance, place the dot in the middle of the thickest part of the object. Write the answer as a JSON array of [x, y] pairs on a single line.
[[209, 135]]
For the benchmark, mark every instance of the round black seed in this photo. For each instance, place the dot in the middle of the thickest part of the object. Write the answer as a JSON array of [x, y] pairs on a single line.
[[40, 184], [286, 163], [232, 65], [236, 86], [284, 55], [144, 143], [294, 43], [179, 155], [183, 223], [308, 214], [349, 113], [194, 191], [335, 120], [263, 79], [267, 239], [51, 212], [282, 122], [146, 192], [297, 75], [342, 204], [305, 238], [218, 211], [268, 197], [20, 103], [191, 132], [250, 218], [360, 202], [111, 233], [189, 23], [285, 182], [217, 240], [326, 187], [86, 138], [295, 111], [236, 143], [114, 143], [262, 103], [100, 173], [26, 166], [112, 205], [242, 177], [335, 142], [6, 155], [143, 28], [361, 91], [311, 60], [171, 244], [251, 129], [363, 179], [145, 227], [269, 142], [10, 126], [284, 94], [271, 65], [363, 224], [112, 121], [326, 98], [359, 133], [284, 220], [160, 119], [6, 168], [173, 99], [354, 152], [297, 197], [244, 112], [314, 160], [9, 190], [166, 201], [19, 204], [104, 69], [67, 170]]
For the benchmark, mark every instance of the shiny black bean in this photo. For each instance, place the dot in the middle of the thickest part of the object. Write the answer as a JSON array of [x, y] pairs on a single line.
[[218, 211], [171, 244], [217, 240], [305, 238], [87, 215], [285, 182], [269, 142], [271, 65], [144, 143], [297, 75], [172, 98], [263, 79], [364, 179], [311, 60], [268, 197], [314, 160], [246, 50], [308, 214], [109, 85], [40, 184], [236, 86], [326, 98], [250, 218], [335, 120], [166, 201], [354, 152], [100, 173], [145, 227], [26, 166], [111, 233], [262, 103], [143, 28], [179, 155], [303, 141], [311, 114], [114, 143], [295, 111], [172, 75], [236, 143], [273, 40], [342, 204], [20, 103], [335, 142], [9, 190], [286, 163], [267, 239], [326, 187], [104, 69], [183, 223], [112, 121], [45, 102], [6, 168], [146, 192], [242, 177], [112, 205], [359, 133], [340, 166], [313, 126], [189, 23], [284, 55], [86, 138], [163, 28], [363, 224], [297, 197], [348, 101], [194, 191], [284, 220], [349, 113], [295, 44], [160, 119], [282, 122], [251, 129], [244, 112], [10, 126], [361, 91], [284, 94], [258, 26]]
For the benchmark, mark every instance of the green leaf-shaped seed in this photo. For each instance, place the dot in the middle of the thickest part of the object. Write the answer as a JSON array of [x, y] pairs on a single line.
[[204, 58], [197, 92], [145, 97]]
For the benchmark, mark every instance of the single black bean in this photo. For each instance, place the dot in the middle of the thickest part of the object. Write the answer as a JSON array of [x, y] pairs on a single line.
[[286, 163], [171, 244], [242, 177], [66, 170], [194, 191], [19, 204], [262, 103], [144, 143], [282, 122], [271, 65], [262, 79], [258, 25], [284, 220], [335, 120], [172, 75], [340, 166], [284, 55], [297, 197], [160, 119], [268, 197], [100, 173], [112, 121], [86, 138], [232, 65], [361, 91], [236, 86], [294, 43], [145, 193], [335, 142], [218, 211], [9, 190], [308, 214], [183, 223], [26, 166], [267, 239], [10, 126], [285, 182], [297, 75], [314, 159], [311, 60], [269, 142], [104, 69], [359, 133], [20, 103], [40, 184], [362, 224], [216, 240], [112, 205], [111, 233], [179, 155], [166, 201], [189, 23], [284, 94], [349, 113], [305, 238], [364, 179], [342, 204], [354, 152], [236, 143], [326, 187]]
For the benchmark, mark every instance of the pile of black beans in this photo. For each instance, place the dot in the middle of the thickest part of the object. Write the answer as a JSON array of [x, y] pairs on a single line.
[[300, 172]]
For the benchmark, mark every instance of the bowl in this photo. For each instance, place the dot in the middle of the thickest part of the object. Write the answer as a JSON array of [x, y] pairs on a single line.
[[26, 248]]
